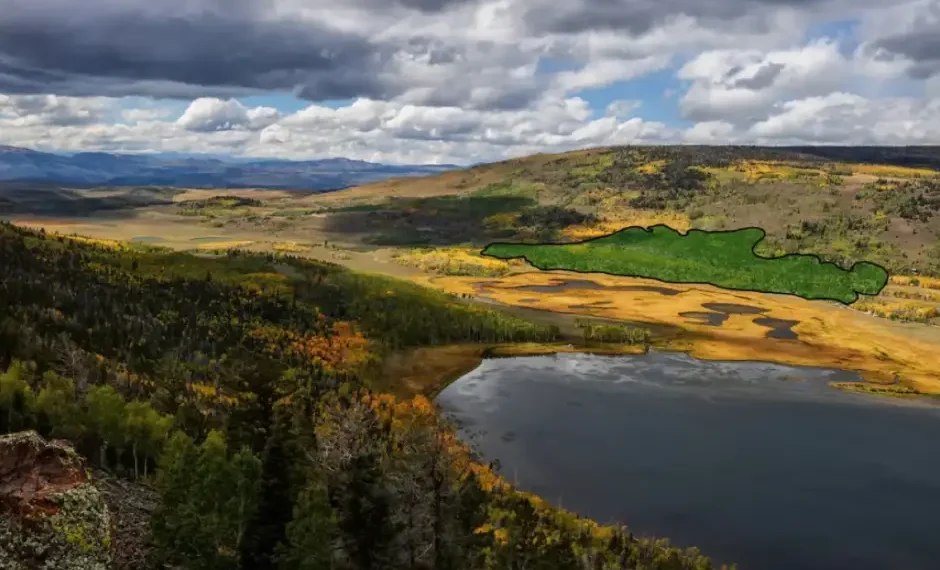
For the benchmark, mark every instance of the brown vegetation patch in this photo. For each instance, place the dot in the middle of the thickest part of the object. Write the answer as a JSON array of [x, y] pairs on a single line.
[[427, 370], [254, 194]]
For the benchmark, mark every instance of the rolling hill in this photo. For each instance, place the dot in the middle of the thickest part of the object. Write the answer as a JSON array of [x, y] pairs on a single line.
[[844, 204]]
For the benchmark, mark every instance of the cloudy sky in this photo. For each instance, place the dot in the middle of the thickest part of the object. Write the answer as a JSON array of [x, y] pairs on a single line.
[[463, 81]]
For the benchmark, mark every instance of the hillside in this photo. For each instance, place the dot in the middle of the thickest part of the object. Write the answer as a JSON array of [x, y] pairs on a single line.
[[833, 202]]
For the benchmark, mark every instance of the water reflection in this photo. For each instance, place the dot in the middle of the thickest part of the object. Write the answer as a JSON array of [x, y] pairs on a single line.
[[753, 462]]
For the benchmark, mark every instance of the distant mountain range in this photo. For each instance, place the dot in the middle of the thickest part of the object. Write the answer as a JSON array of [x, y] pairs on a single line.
[[106, 169]]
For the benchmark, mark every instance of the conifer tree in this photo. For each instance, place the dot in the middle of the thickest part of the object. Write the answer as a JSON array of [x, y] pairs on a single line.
[[311, 532]]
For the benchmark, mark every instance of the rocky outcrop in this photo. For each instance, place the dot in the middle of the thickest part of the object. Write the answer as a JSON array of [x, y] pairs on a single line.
[[51, 515]]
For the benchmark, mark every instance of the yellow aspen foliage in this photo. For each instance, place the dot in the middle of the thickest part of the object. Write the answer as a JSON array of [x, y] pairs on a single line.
[[916, 281]]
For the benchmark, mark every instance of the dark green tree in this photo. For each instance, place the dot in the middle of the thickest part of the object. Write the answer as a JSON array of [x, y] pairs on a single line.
[[58, 408], [312, 530]]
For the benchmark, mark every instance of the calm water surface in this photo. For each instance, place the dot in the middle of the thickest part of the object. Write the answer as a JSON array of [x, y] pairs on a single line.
[[755, 463]]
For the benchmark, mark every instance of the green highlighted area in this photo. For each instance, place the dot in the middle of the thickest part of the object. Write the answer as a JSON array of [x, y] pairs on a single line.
[[722, 258]]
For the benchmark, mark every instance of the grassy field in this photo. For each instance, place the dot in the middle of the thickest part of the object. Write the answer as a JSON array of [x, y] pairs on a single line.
[[829, 334], [725, 259]]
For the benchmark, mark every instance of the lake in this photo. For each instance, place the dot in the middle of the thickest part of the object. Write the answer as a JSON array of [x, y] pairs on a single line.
[[755, 463]]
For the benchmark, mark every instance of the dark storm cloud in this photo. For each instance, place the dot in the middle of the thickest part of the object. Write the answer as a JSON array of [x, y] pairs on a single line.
[[764, 77], [639, 16], [921, 46], [227, 49], [426, 6], [508, 97], [438, 53]]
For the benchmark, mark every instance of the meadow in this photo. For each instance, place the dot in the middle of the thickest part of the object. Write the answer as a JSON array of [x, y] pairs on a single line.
[[829, 335], [724, 259]]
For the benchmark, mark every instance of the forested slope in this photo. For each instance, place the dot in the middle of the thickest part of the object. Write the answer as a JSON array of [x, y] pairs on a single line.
[[239, 386]]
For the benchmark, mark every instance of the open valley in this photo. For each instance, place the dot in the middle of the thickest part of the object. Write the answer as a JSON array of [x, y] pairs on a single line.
[[738, 420]]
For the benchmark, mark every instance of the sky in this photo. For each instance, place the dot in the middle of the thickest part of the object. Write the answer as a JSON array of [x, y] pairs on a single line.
[[463, 81]]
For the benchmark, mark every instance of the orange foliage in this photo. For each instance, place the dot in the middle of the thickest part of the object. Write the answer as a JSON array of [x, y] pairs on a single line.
[[345, 350]]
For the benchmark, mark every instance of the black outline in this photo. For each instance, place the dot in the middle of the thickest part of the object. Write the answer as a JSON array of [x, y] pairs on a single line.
[[649, 229]]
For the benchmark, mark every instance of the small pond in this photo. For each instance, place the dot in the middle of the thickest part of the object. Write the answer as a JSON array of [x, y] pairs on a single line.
[[209, 239], [755, 463], [567, 285]]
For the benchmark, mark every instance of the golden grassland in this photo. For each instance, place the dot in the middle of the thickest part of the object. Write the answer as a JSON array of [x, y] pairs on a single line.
[[456, 261], [923, 294], [290, 247], [224, 244], [615, 219], [905, 310], [652, 167], [590, 165], [887, 171], [915, 281], [174, 231], [48, 223], [830, 335], [542, 349], [113, 244], [256, 194], [755, 171], [893, 390]]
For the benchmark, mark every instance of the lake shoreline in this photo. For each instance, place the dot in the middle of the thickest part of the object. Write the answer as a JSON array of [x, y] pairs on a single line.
[[617, 438], [434, 377]]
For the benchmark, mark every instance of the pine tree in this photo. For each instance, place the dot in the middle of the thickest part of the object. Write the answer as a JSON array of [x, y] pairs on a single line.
[[177, 516], [311, 531], [213, 494], [364, 513]]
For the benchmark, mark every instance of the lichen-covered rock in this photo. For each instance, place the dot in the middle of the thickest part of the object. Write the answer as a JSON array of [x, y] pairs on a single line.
[[51, 515]]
